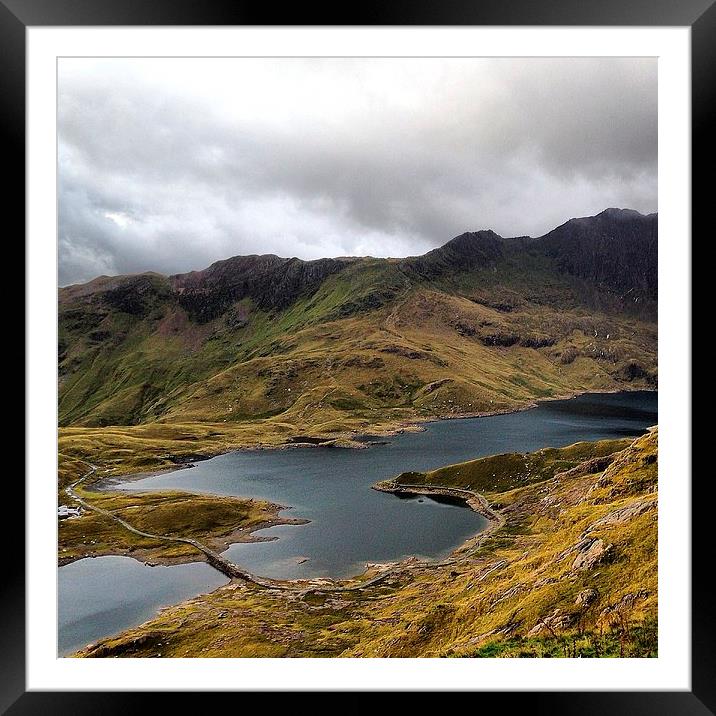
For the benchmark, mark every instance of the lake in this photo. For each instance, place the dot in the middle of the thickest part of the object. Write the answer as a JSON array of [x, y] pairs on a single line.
[[350, 524], [99, 596]]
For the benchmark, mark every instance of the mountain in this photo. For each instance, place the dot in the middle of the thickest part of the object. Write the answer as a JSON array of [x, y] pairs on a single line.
[[270, 282], [286, 346], [615, 250], [469, 251]]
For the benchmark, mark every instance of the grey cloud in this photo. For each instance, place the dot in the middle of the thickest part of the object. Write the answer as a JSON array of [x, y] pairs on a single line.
[[168, 167]]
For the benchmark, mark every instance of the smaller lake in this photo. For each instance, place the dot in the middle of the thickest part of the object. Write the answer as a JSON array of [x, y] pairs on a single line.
[[99, 596]]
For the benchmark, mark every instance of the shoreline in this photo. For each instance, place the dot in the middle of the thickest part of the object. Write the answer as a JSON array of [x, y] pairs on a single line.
[[218, 544], [374, 574], [465, 568], [366, 578], [413, 425], [472, 500], [211, 547]]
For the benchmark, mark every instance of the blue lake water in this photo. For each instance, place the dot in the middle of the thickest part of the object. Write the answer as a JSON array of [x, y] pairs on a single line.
[[105, 595], [350, 524]]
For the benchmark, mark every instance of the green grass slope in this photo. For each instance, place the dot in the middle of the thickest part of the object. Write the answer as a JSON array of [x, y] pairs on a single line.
[[510, 471], [481, 324]]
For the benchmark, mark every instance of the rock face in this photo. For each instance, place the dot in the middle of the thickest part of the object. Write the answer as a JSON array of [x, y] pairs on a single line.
[[613, 615], [591, 552], [586, 598], [623, 514], [554, 622], [272, 283], [616, 249], [588, 467], [471, 250]]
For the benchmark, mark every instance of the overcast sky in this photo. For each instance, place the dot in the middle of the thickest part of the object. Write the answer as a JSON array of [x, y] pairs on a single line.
[[170, 164]]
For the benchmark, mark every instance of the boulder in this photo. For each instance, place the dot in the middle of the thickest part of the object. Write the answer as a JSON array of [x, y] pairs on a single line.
[[553, 623], [586, 598], [594, 552]]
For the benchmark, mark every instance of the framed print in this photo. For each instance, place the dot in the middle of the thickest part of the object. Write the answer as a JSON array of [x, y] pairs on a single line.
[[359, 353]]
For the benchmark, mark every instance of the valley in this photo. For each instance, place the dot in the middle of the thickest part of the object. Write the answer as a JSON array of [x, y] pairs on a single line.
[[262, 351], [316, 366], [569, 569]]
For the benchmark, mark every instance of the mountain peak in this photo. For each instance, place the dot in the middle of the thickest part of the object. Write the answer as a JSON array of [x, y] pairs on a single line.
[[473, 249], [616, 249], [472, 238], [616, 213]]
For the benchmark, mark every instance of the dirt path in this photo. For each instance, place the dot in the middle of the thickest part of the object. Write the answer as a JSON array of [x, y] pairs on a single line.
[[230, 569]]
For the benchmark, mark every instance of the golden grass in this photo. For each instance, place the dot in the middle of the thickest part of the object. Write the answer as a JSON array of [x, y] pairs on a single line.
[[214, 521], [515, 595]]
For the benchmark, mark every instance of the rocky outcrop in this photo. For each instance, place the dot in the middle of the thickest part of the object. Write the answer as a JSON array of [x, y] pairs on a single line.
[[623, 514], [588, 467], [586, 598], [553, 623], [136, 295], [471, 250], [590, 553], [272, 283], [616, 250], [615, 614]]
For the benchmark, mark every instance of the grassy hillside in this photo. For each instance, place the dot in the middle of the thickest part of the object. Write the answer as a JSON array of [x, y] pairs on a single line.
[[261, 349], [502, 473], [571, 572]]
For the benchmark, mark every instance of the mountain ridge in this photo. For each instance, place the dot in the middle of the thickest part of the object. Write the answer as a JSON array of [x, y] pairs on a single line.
[[620, 213], [496, 322]]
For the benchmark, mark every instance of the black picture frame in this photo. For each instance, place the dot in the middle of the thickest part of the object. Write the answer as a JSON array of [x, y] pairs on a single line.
[[699, 15]]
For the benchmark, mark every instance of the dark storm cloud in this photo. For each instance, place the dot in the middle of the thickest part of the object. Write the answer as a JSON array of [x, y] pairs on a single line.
[[168, 165]]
